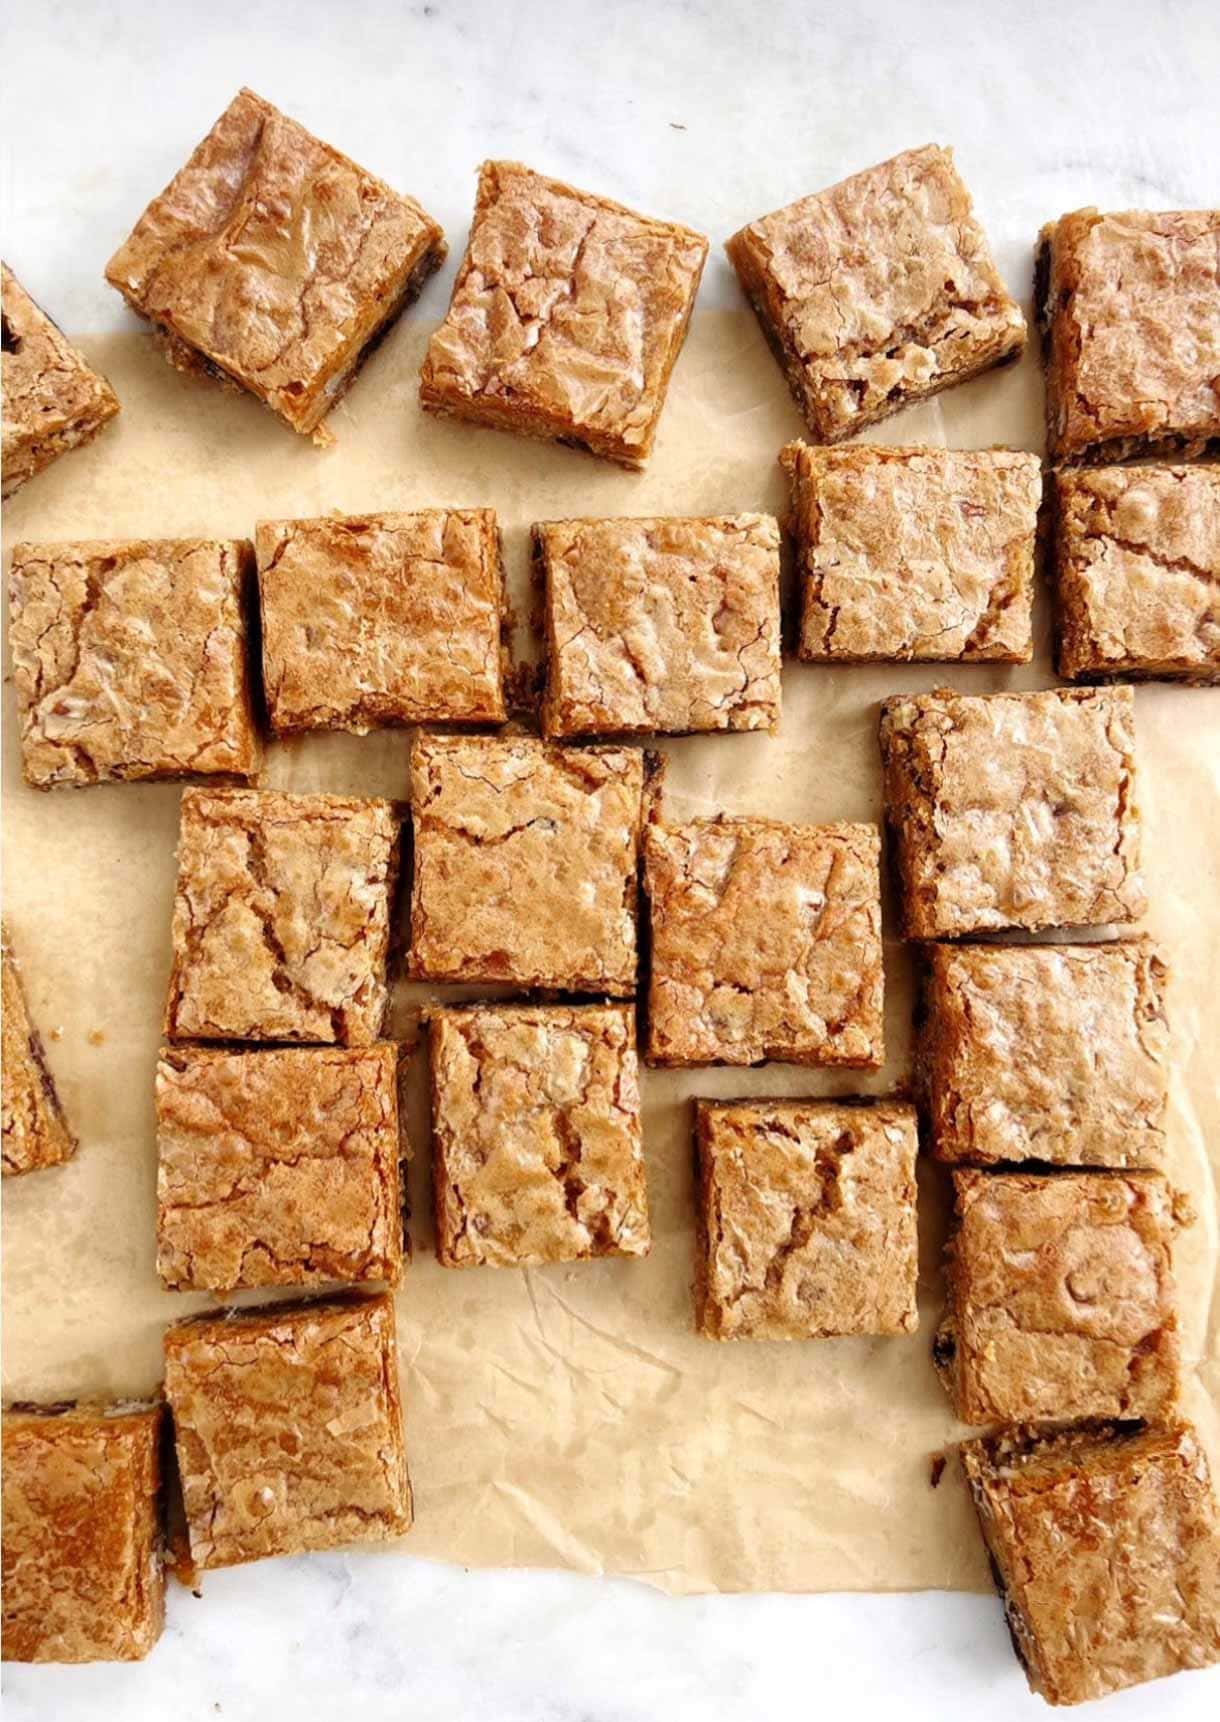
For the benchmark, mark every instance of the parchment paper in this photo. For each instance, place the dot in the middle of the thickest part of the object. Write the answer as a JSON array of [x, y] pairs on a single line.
[[569, 1416]]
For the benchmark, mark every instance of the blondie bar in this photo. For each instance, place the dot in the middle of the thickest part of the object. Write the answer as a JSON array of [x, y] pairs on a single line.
[[35, 1131]]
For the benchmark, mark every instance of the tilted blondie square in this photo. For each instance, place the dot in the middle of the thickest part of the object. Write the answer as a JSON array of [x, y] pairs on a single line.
[[766, 943], [274, 262], [1131, 324], [382, 619], [536, 1135], [278, 1168], [1137, 572], [1060, 1297], [1105, 1546], [567, 316], [527, 862], [129, 659], [878, 292], [914, 553], [806, 1219], [1051, 1053], [83, 1573], [660, 625], [288, 1423], [1013, 810], [282, 917], [35, 1131], [53, 400]]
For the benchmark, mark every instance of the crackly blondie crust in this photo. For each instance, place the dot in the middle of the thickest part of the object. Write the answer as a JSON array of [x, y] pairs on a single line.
[[278, 1168], [274, 262], [288, 1423], [766, 943], [568, 313], [536, 1132], [52, 400], [878, 292], [1052, 1053], [382, 619], [282, 917], [526, 862], [660, 625], [914, 553], [129, 659], [1131, 324], [1105, 1546], [1060, 1297], [1137, 572], [806, 1219], [83, 1574], [36, 1133], [1013, 809]]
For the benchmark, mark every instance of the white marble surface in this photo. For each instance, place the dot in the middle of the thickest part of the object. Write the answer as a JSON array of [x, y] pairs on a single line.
[[712, 113]]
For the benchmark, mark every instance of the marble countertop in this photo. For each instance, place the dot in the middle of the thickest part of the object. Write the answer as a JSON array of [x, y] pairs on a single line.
[[710, 111]]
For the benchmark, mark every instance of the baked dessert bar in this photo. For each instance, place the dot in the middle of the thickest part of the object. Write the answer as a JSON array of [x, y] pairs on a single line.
[[766, 943], [278, 1168], [1105, 1546], [53, 401], [526, 862], [83, 1574], [382, 619], [660, 625], [1137, 572], [914, 553], [36, 1133], [288, 1423], [1060, 1297], [538, 1154], [567, 316], [1013, 809], [878, 292], [281, 924], [1131, 325], [806, 1219], [275, 263], [1050, 1053], [129, 659]]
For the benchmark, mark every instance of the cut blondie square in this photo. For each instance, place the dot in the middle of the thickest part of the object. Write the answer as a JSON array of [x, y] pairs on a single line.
[[806, 1219], [536, 1129], [36, 1133]]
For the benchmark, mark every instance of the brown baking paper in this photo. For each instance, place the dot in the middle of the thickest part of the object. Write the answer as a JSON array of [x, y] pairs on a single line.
[[567, 1416]]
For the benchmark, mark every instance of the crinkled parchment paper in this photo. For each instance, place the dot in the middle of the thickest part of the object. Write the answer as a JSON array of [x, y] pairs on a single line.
[[565, 1416]]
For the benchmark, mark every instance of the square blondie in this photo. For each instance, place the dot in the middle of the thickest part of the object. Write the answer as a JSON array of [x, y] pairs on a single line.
[[83, 1574], [526, 862], [658, 626], [273, 262], [766, 943], [1013, 809], [1105, 1547], [1131, 325], [278, 1168], [914, 553], [567, 316], [129, 660], [806, 1219], [289, 1430], [53, 400], [382, 619], [35, 1131], [878, 292], [1051, 1053], [1137, 572], [536, 1132], [1060, 1297], [281, 925]]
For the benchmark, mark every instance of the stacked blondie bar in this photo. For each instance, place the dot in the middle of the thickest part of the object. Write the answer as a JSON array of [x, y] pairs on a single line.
[[539, 866]]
